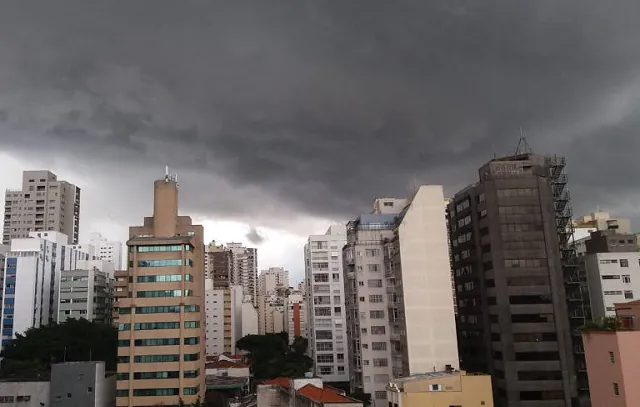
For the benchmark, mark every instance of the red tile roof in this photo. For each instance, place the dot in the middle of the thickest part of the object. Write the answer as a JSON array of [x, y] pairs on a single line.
[[224, 364], [279, 381], [326, 395]]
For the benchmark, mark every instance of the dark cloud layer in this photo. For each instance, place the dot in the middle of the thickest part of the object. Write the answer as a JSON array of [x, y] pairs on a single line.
[[314, 107]]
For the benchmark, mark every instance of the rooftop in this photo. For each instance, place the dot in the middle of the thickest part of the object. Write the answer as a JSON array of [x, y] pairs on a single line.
[[325, 395], [430, 375], [225, 364], [279, 381]]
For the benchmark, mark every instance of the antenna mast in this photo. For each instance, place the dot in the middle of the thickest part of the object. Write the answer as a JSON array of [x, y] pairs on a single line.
[[523, 147]]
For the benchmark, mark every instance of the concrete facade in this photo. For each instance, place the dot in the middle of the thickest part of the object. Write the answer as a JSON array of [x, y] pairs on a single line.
[[513, 321], [295, 316], [613, 361], [25, 393], [613, 278], [230, 316], [325, 298], [83, 384], [217, 264], [441, 389], [244, 269], [399, 302], [272, 280], [87, 292], [31, 287], [43, 204], [161, 309]]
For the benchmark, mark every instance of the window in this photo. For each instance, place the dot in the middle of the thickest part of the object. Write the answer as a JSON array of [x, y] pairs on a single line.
[[324, 335], [322, 311], [377, 330], [123, 359], [158, 309], [144, 326], [610, 277], [321, 278], [155, 392], [373, 267], [376, 314], [192, 341], [371, 252], [324, 346], [376, 283], [162, 293], [192, 324], [163, 278], [626, 278], [157, 342], [122, 376], [191, 357], [124, 327], [376, 298], [156, 358], [189, 374], [435, 387], [6, 399], [612, 357], [191, 308], [156, 375], [628, 295], [124, 343], [382, 362], [624, 263], [122, 393], [159, 263], [616, 389], [613, 293], [378, 345], [190, 391], [381, 395], [327, 359]]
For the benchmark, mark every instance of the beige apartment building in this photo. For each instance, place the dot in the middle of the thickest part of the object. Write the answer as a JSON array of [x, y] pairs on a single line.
[[43, 204], [161, 319], [441, 389]]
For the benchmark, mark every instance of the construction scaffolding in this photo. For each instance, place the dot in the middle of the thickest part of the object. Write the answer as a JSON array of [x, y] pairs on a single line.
[[575, 278]]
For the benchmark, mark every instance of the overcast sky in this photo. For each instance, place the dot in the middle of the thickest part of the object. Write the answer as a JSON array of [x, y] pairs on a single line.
[[283, 116]]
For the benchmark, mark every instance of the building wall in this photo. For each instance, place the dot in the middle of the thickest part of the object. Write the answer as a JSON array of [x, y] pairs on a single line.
[[106, 250], [32, 280], [12, 394], [323, 256], [86, 292], [609, 362], [272, 279], [456, 391], [430, 326], [81, 384], [610, 281], [295, 318], [214, 309], [170, 245], [43, 204], [249, 319], [244, 269]]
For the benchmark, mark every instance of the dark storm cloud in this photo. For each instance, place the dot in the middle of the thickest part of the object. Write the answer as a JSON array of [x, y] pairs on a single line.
[[253, 236], [321, 105]]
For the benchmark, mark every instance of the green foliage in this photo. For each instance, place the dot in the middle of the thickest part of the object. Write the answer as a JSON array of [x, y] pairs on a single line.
[[74, 340], [197, 403], [604, 324], [362, 396], [273, 357]]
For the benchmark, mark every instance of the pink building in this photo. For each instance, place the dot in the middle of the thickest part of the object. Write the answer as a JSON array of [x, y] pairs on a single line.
[[613, 360]]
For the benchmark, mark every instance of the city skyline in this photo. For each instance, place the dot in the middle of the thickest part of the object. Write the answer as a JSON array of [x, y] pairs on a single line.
[[287, 126]]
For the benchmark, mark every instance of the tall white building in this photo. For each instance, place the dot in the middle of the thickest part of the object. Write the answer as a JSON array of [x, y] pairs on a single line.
[[229, 316], [400, 311], [103, 249], [272, 279], [243, 269], [43, 204], [86, 291], [325, 298], [31, 289], [613, 278]]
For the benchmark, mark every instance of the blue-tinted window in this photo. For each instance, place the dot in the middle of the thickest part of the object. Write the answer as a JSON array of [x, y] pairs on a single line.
[[162, 278], [159, 263], [191, 308], [145, 326], [124, 327], [157, 342], [190, 391], [191, 324], [158, 293], [161, 309], [192, 341], [190, 357], [156, 375], [156, 358], [160, 248], [122, 393], [155, 392], [189, 374]]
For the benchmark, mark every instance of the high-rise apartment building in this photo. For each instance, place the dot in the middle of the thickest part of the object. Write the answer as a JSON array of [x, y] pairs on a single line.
[[295, 316], [217, 264], [244, 269], [43, 204], [515, 274], [32, 281], [230, 316], [325, 296], [161, 316], [270, 314], [400, 316], [272, 279], [86, 291]]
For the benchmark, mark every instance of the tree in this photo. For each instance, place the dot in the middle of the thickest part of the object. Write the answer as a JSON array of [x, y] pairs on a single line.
[[272, 356], [75, 340]]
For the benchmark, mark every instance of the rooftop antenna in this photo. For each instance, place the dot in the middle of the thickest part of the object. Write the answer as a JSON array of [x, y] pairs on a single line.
[[523, 146], [168, 176]]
